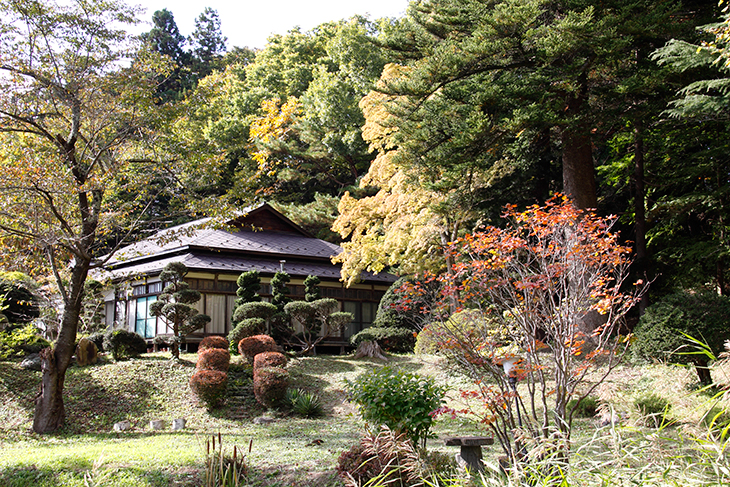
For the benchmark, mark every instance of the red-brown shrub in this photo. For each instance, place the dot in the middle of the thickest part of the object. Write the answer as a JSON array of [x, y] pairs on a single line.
[[269, 359], [251, 346], [359, 464], [213, 359], [270, 385], [213, 342], [209, 386]]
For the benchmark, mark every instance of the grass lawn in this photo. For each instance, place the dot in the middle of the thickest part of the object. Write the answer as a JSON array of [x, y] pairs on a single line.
[[290, 451]]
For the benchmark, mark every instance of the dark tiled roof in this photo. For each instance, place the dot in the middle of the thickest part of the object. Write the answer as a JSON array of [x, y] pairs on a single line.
[[236, 265], [193, 235]]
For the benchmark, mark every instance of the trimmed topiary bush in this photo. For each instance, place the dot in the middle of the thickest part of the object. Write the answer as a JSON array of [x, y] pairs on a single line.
[[124, 344], [213, 359], [213, 342], [251, 346], [269, 359], [270, 385], [246, 328], [209, 386], [661, 331], [398, 340]]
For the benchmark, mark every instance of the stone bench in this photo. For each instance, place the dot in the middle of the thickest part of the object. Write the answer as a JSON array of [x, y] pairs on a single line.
[[471, 449]]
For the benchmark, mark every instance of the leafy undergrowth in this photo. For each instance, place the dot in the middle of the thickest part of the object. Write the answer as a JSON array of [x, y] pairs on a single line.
[[291, 451]]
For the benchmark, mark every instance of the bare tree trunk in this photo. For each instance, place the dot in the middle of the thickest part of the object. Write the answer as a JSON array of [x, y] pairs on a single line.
[[579, 182], [50, 413], [639, 211]]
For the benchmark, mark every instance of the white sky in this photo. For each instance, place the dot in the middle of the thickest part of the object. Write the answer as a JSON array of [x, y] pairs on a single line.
[[250, 22]]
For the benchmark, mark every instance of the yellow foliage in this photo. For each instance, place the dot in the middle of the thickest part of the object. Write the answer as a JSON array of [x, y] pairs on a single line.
[[275, 124]]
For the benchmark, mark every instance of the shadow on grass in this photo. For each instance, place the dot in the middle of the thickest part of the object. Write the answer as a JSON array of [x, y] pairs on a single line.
[[85, 473], [18, 388]]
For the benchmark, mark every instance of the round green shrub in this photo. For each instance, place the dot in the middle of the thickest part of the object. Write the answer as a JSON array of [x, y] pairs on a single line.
[[661, 331], [586, 408], [269, 359], [213, 342], [652, 407], [397, 399], [251, 346], [397, 340], [400, 308], [209, 386], [19, 342], [213, 359], [124, 344], [427, 341], [270, 385], [465, 327]]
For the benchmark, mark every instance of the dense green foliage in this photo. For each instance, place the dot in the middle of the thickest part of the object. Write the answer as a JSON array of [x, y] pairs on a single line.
[[21, 341], [400, 400], [665, 329], [390, 339], [123, 344]]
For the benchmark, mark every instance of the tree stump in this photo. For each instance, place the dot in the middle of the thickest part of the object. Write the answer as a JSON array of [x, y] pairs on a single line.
[[370, 349]]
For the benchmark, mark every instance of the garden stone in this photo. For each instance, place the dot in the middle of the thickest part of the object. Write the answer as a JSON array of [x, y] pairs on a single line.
[[31, 362], [178, 424], [86, 352], [122, 426], [263, 420], [157, 424]]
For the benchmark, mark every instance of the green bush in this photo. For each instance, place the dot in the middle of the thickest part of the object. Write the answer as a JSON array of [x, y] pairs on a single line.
[[652, 408], [124, 344], [270, 385], [661, 331], [586, 407], [303, 403], [467, 326], [18, 342], [398, 340], [427, 341], [397, 399], [400, 309], [209, 386]]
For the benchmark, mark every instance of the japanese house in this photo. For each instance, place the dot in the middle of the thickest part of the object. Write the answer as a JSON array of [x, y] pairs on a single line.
[[260, 239]]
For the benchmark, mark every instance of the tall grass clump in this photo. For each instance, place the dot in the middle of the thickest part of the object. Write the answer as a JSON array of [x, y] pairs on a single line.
[[223, 469]]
